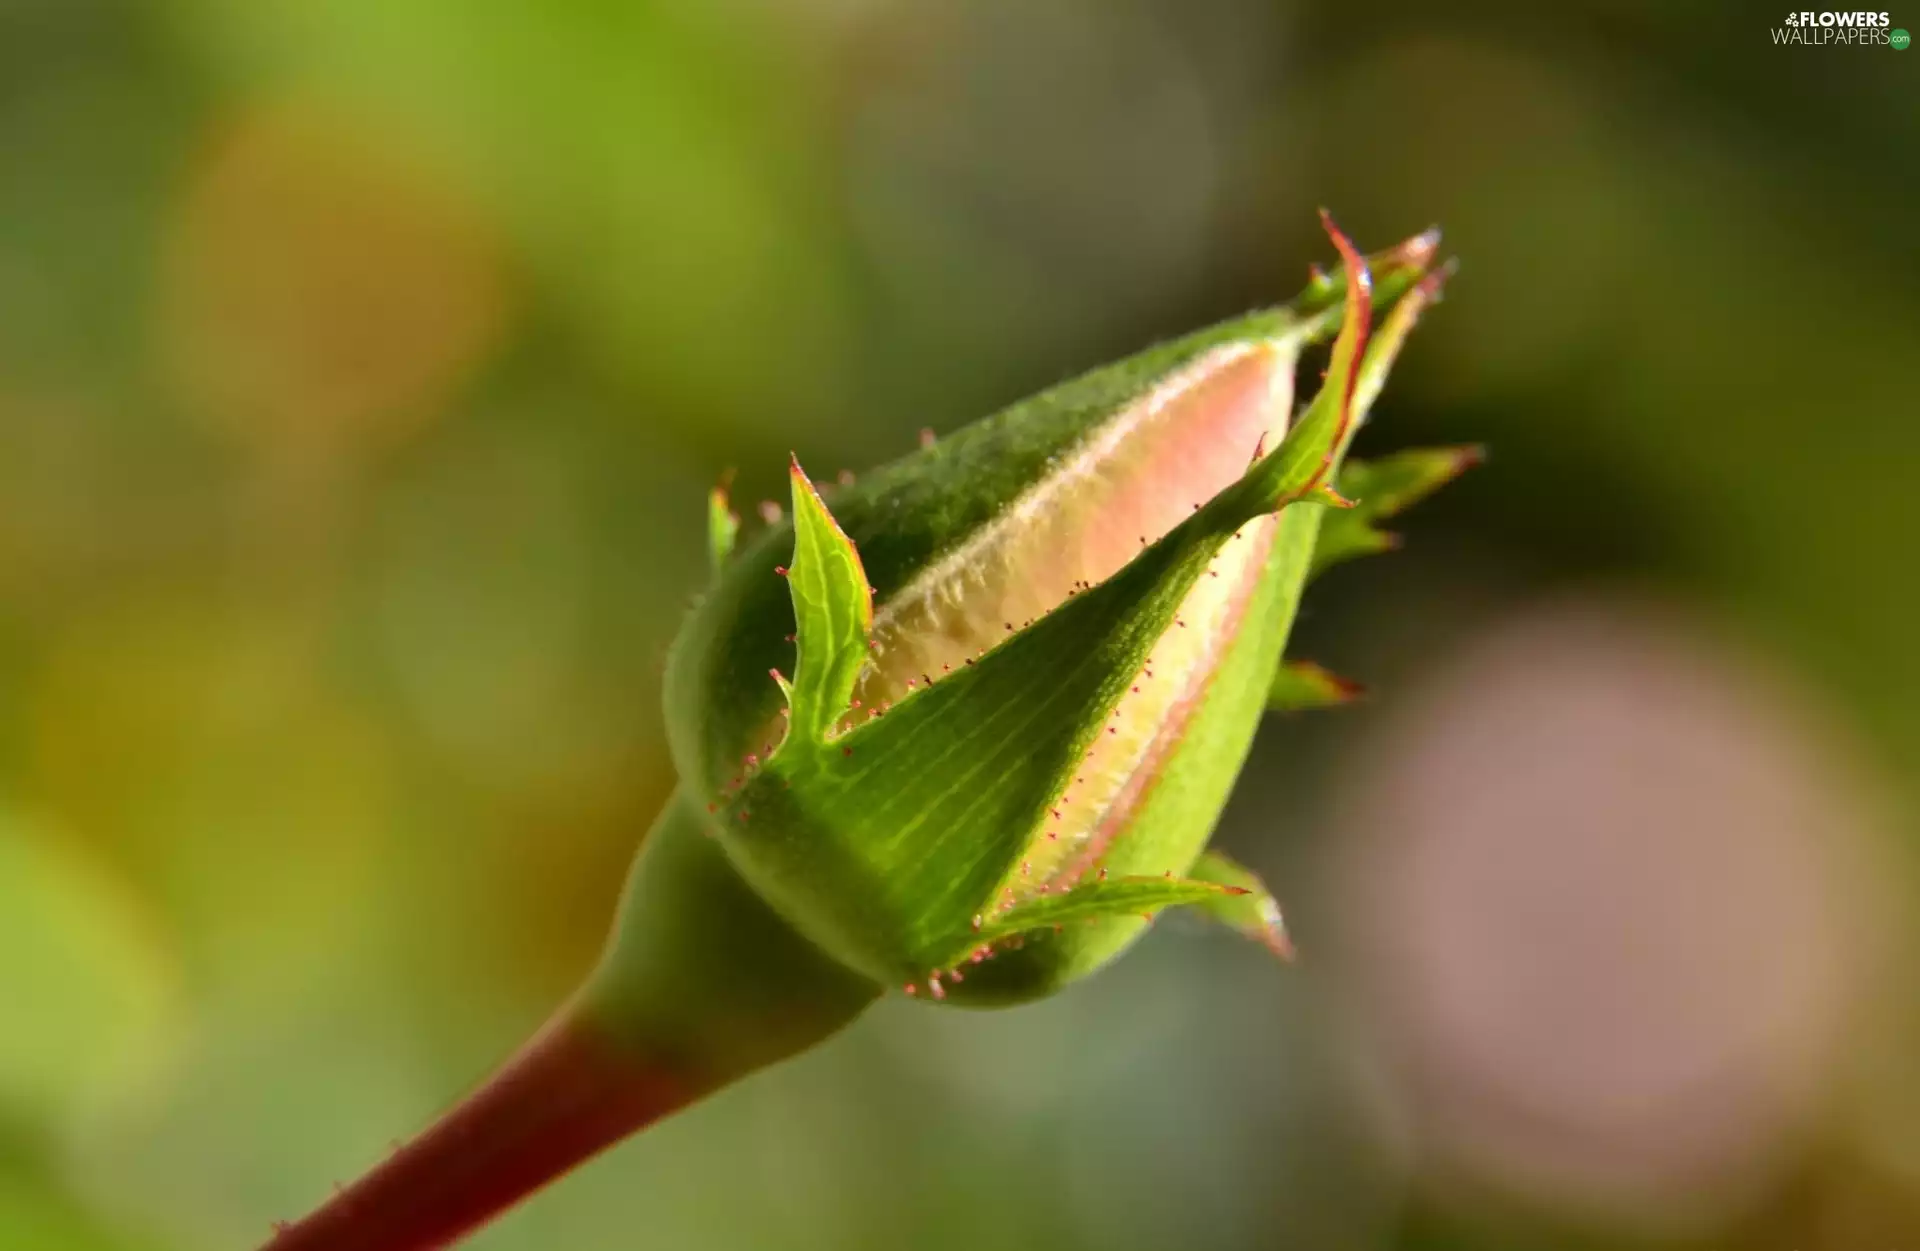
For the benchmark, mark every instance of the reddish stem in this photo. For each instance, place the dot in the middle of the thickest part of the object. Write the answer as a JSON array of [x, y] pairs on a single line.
[[567, 1095]]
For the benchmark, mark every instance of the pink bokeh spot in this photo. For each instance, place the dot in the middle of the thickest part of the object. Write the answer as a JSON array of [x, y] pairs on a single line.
[[1603, 904]]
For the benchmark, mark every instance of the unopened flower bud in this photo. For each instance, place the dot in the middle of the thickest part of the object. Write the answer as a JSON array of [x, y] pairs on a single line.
[[1014, 675], [954, 729]]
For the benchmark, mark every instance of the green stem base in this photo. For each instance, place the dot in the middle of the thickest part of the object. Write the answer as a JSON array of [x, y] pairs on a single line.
[[700, 985]]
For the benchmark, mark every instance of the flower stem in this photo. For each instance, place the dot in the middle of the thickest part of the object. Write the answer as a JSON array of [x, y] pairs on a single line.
[[560, 1100], [701, 984]]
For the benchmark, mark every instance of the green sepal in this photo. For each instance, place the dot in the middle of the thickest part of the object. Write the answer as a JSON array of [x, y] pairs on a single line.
[[1362, 493], [1314, 444], [1391, 336], [1102, 900], [832, 612], [1299, 685], [1246, 905], [1381, 489]]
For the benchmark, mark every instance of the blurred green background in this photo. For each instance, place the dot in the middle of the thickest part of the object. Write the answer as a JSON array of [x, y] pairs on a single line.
[[362, 368]]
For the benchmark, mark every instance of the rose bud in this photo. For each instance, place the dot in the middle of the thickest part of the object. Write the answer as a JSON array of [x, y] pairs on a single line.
[[955, 730]]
